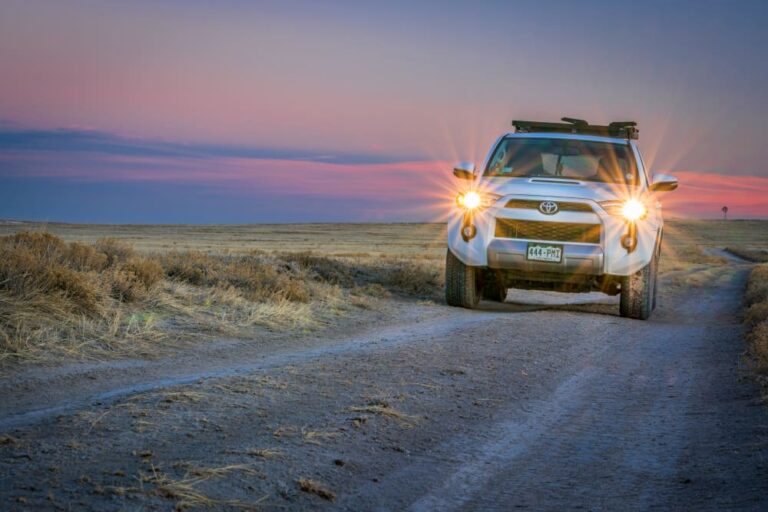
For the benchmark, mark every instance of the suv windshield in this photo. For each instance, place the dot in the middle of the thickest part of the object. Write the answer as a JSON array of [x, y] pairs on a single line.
[[563, 158]]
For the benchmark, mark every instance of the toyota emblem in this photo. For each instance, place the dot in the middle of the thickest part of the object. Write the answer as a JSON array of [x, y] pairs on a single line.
[[548, 207]]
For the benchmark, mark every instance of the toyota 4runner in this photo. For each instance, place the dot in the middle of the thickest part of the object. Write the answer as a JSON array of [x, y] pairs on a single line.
[[558, 206]]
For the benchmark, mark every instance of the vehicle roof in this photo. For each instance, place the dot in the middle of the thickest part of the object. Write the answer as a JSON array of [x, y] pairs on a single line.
[[567, 136]]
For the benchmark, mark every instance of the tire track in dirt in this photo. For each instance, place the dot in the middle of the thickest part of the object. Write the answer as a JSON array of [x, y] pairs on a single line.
[[140, 377]]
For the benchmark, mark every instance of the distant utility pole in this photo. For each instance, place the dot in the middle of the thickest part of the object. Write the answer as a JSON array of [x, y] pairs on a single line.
[[725, 212]]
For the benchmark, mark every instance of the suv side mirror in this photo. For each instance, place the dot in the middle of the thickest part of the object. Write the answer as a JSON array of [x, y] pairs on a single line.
[[464, 170], [663, 183]]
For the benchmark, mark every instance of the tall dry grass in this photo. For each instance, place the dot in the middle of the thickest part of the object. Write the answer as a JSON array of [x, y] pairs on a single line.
[[88, 300], [756, 316], [54, 294]]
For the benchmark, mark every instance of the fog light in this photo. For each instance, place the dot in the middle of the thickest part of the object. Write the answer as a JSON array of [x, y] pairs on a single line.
[[468, 232], [629, 242]]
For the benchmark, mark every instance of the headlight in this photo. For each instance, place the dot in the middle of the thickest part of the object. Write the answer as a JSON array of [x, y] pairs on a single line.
[[472, 200], [634, 210], [631, 209]]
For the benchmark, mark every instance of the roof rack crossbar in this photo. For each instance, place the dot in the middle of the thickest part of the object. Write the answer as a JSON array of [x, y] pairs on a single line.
[[616, 129]]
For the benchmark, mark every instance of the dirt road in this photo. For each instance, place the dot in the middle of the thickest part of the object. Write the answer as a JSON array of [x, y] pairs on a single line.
[[521, 405]]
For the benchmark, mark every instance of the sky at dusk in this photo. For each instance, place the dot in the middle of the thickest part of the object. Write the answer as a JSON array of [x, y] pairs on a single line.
[[244, 111]]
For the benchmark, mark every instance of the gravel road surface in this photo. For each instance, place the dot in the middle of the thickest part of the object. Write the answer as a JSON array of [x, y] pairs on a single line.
[[547, 402]]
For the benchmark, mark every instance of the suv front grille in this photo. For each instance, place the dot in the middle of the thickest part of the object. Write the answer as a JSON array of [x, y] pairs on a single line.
[[554, 231], [530, 204]]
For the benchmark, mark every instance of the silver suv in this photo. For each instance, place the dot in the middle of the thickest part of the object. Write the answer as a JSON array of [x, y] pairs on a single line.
[[558, 206]]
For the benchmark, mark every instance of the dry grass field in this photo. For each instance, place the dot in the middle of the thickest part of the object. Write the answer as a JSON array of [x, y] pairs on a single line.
[[346, 240], [93, 291], [351, 240], [69, 291]]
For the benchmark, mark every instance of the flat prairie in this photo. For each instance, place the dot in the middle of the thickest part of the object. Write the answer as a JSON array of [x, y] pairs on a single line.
[[103, 291], [416, 240], [426, 240]]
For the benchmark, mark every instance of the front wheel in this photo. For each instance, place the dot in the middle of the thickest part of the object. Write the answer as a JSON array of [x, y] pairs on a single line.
[[463, 285], [493, 287], [638, 292]]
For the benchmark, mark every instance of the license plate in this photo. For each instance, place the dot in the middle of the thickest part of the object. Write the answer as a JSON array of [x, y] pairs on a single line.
[[544, 252]]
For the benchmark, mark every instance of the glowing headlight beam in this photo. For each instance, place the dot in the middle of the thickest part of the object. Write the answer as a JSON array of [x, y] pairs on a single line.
[[633, 210], [475, 200], [472, 200]]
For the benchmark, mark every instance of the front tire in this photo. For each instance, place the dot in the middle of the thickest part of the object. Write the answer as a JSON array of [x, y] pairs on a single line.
[[638, 292], [463, 285], [493, 289]]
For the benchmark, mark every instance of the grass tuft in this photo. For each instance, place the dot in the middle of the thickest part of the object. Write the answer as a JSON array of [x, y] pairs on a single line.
[[384, 409], [756, 316], [316, 488], [185, 493], [264, 453]]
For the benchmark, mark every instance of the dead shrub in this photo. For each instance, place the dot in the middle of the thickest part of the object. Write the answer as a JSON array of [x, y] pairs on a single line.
[[31, 270], [756, 316], [294, 290], [20, 270], [414, 278], [147, 272], [254, 275], [115, 250], [125, 286], [56, 296], [43, 246], [84, 257], [329, 270], [758, 340], [192, 267], [82, 289], [757, 287], [132, 281]]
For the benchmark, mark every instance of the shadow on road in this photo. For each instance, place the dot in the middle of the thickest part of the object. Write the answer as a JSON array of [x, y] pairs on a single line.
[[526, 301]]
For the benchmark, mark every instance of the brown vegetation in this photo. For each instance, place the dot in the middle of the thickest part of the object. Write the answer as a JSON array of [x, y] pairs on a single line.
[[312, 487], [91, 299], [756, 316], [185, 491], [753, 254], [51, 291], [74, 292]]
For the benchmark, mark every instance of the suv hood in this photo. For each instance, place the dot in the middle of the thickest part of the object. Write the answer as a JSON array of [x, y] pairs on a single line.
[[555, 188]]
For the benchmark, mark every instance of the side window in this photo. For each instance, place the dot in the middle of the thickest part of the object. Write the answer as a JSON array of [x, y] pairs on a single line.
[[499, 157]]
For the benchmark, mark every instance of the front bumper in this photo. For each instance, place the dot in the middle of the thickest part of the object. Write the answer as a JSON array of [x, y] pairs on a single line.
[[486, 249], [577, 258]]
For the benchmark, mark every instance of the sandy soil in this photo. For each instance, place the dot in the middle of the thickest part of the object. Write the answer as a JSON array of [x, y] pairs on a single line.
[[546, 402]]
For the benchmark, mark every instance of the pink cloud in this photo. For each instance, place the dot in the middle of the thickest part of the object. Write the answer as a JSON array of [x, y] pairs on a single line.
[[426, 185], [704, 194]]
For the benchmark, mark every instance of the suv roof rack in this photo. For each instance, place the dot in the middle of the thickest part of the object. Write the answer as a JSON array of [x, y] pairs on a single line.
[[618, 129]]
